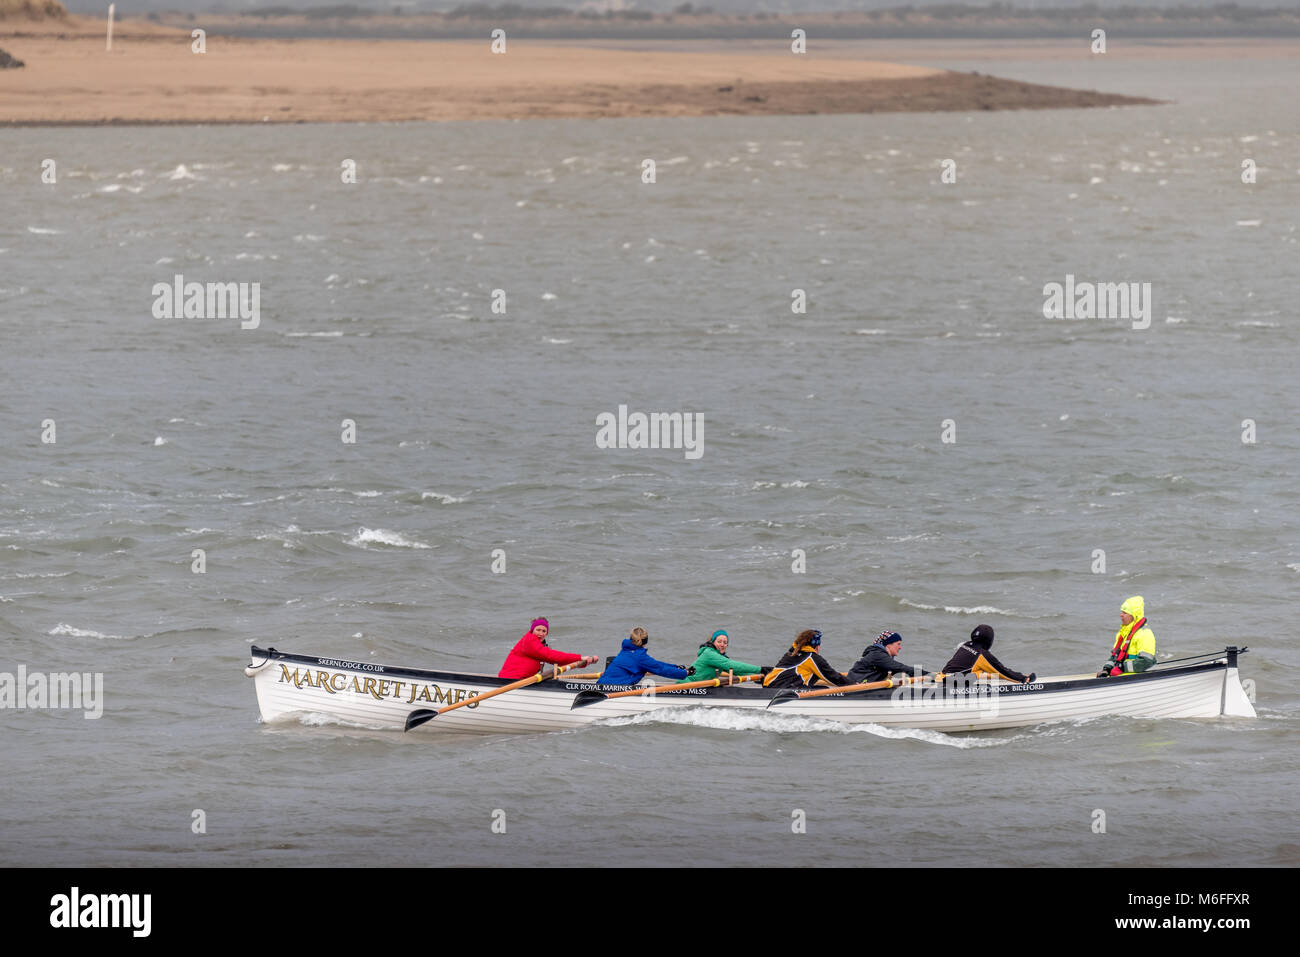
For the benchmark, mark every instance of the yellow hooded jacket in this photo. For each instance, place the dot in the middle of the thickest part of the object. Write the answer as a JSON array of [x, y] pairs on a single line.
[[1142, 646]]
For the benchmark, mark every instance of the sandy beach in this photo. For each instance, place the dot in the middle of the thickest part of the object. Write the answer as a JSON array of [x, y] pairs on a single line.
[[152, 76]]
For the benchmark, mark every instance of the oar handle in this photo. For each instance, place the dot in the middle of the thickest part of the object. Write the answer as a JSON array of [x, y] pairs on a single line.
[[841, 689], [790, 694], [868, 686]]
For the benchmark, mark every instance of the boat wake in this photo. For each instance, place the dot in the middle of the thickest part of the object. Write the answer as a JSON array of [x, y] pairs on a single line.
[[317, 719], [737, 719]]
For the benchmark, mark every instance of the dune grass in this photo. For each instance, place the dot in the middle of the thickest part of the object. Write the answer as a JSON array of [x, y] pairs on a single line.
[[32, 10]]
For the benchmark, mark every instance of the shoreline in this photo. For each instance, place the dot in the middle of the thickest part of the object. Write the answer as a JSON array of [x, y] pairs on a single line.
[[153, 78], [941, 93]]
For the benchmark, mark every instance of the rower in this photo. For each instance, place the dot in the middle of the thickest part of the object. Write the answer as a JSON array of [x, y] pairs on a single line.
[[530, 651], [713, 661], [803, 666], [974, 656], [633, 661], [879, 660], [1135, 645]]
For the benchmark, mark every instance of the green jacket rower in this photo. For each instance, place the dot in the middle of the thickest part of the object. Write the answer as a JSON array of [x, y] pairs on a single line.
[[713, 661]]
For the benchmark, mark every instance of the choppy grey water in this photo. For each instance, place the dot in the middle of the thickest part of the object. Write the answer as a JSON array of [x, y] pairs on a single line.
[[476, 431]]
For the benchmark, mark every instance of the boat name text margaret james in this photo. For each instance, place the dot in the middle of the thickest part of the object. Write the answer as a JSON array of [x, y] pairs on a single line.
[[377, 688]]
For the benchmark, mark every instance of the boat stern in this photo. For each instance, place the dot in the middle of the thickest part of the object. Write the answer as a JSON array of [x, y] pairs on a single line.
[[1235, 702]]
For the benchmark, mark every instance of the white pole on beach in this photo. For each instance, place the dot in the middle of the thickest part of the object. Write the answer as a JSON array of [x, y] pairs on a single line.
[[108, 42]]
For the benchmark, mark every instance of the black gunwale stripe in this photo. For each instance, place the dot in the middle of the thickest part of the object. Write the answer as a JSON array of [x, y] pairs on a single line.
[[747, 690]]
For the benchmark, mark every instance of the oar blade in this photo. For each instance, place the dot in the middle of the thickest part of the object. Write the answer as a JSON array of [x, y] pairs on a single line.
[[417, 718], [789, 694], [584, 698]]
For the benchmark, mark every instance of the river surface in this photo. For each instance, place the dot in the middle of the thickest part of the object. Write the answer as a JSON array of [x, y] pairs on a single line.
[[932, 450]]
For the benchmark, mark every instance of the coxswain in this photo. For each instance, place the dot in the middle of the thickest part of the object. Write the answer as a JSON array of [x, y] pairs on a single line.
[[1135, 645]]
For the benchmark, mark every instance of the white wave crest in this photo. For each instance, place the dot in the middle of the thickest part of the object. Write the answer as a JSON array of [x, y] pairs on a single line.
[[959, 610], [62, 629], [444, 499], [752, 719], [284, 542], [382, 536]]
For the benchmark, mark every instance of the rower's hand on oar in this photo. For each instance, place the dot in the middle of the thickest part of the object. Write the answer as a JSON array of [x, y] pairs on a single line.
[[590, 659]]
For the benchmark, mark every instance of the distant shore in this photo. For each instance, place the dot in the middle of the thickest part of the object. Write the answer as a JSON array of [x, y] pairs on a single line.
[[153, 77]]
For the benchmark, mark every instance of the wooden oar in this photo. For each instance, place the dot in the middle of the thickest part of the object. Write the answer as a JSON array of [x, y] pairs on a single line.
[[417, 718], [584, 698], [790, 694]]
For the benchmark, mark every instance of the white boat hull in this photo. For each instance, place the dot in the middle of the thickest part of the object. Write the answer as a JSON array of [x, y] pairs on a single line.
[[378, 696]]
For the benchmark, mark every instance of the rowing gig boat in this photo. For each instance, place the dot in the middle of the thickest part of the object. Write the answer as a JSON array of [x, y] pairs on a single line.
[[380, 696]]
